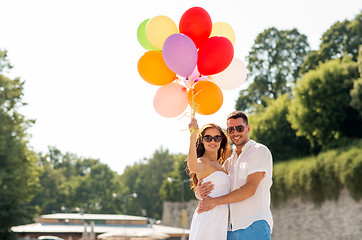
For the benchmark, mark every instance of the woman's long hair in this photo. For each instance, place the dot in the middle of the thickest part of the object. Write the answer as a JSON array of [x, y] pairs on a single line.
[[222, 154]]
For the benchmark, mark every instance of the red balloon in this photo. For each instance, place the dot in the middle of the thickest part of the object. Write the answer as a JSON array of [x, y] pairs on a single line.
[[215, 55], [196, 24]]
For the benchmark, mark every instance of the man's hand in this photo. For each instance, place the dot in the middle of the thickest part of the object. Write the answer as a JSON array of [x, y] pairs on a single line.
[[203, 189], [206, 204]]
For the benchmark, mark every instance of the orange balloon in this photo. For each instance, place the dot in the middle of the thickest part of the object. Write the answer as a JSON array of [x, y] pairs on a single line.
[[153, 69], [208, 97]]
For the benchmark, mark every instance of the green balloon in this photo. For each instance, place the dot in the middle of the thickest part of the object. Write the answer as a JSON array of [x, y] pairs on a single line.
[[142, 38]]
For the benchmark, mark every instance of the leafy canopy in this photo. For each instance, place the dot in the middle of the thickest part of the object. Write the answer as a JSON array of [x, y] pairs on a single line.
[[273, 64], [321, 109]]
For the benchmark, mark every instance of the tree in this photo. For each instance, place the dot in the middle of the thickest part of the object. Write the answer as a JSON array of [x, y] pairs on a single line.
[[356, 92], [356, 96], [94, 192], [273, 63], [342, 38], [52, 191], [69, 182], [145, 178], [271, 127], [171, 191], [18, 174], [320, 110]]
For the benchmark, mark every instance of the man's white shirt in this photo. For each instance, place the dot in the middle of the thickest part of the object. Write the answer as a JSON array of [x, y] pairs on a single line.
[[255, 157]]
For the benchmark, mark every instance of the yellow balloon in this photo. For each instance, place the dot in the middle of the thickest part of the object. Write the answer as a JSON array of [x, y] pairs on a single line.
[[223, 29], [158, 29]]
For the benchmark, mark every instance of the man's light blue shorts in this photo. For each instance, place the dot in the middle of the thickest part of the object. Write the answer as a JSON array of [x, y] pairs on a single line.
[[258, 230]]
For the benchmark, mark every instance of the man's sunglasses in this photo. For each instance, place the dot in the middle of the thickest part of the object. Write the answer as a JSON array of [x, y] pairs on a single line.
[[239, 128], [208, 138]]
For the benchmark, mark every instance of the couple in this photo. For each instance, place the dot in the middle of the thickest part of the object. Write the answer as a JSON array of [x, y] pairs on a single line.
[[234, 192]]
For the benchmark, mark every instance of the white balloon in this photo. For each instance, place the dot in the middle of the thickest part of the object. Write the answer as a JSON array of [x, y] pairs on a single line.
[[232, 77]]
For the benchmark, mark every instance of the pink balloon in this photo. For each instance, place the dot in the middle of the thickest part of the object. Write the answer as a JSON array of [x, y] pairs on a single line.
[[180, 54], [170, 100]]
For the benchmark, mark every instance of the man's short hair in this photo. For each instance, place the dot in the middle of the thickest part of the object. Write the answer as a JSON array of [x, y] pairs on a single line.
[[238, 114]]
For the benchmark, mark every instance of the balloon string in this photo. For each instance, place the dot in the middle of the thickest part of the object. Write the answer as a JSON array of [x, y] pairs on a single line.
[[193, 110], [193, 104]]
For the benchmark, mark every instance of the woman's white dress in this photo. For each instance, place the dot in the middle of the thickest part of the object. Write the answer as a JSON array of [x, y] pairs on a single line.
[[212, 225]]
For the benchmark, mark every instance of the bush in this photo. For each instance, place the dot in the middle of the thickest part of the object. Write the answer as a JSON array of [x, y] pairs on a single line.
[[321, 177]]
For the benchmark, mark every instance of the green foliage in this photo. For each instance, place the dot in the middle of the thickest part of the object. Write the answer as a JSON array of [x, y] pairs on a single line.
[[94, 191], [69, 182], [356, 96], [171, 190], [326, 110], [145, 178], [351, 175], [271, 127], [356, 92], [359, 61], [321, 177], [5, 65], [273, 64], [320, 109], [18, 174], [341, 39], [52, 192]]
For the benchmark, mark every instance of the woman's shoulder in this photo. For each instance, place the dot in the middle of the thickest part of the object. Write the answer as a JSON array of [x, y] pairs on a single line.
[[203, 159]]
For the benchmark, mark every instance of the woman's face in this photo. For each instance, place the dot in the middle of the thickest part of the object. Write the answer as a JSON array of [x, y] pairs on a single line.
[[212, 145]]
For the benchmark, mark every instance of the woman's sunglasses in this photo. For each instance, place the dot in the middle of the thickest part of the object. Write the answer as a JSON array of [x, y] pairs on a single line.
[[208, 138], [239, 128]]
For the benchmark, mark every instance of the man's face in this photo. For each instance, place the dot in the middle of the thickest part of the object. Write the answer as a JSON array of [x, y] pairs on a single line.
[[238, 138]]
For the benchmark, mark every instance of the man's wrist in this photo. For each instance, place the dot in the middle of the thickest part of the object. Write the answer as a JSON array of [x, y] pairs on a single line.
[[218, 201]]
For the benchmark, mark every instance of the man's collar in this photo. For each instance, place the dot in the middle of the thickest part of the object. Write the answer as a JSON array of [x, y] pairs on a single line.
[[247, 145]]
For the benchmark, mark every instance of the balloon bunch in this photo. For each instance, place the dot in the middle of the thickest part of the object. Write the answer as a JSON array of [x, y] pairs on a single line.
[[191, 63]]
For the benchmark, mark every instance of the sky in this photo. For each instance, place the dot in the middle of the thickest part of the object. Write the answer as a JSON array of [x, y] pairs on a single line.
[[79, 58]]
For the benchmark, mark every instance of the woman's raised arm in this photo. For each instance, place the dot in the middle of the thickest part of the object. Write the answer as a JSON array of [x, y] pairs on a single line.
[[192, 162]]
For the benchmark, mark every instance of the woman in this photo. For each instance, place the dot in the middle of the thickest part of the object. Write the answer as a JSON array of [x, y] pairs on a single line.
[[208, 150]]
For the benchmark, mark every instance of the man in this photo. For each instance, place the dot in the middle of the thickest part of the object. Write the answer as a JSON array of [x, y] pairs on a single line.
[[250, 170]]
